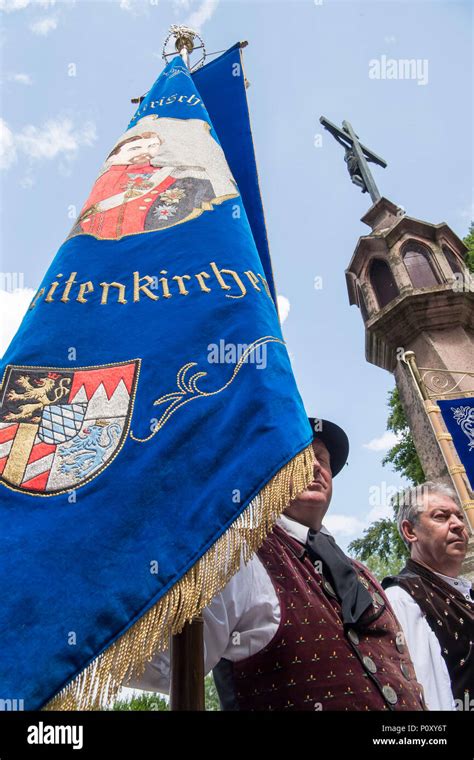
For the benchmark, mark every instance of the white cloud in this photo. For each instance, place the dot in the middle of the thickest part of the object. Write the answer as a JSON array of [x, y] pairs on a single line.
[[13, 307], [383, 443], [344, 525], [283, 307], [135, 7], [181, 5], [380, 512], [20, 78], [347, 527], [44, 26], [202, 14], [56, 139], [13, 5], [18, 5], [7, 146]]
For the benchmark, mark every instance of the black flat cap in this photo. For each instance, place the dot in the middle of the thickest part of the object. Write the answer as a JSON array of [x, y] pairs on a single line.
[[335, 440]]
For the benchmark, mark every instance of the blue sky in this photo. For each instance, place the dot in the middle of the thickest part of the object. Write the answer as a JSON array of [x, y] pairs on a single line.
[[304, 59]]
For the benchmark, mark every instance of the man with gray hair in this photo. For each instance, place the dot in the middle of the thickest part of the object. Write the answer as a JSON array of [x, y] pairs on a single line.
[[433, 604]]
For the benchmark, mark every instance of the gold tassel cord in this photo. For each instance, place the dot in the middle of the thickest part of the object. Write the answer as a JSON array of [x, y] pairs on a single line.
[[100, 682]]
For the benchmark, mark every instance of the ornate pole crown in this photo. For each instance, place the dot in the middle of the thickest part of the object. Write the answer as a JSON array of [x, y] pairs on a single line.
[[184, 43], [183, 38]]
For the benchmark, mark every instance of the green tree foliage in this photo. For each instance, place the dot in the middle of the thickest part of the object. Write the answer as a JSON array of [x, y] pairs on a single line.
[[469, 241], [381, 547], [402, 456], [383, 567], [149, 701], [211, 696], [145, 702]]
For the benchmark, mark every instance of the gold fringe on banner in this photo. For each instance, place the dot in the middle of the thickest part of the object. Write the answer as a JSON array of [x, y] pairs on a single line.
[[97, 686]]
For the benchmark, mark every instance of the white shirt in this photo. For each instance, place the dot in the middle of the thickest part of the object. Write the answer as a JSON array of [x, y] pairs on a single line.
[[425, 650], [243, 618], [463, 585], [240, 621]]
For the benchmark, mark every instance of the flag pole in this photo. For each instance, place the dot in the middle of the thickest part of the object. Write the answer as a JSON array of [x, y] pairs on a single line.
[[187, 667], [187, 647], [444, 439]]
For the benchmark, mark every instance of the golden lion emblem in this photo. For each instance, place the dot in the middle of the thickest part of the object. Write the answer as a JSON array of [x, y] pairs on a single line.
[[45, 391]]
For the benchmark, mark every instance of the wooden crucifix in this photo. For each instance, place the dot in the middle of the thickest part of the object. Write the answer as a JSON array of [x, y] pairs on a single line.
[[357, 157]]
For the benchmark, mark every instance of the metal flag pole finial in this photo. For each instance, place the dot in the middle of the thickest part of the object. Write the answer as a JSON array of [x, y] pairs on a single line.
[[181, 39], [184, 43]]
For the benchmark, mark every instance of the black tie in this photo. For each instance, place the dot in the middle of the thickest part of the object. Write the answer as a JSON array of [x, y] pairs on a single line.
[[338, 568]]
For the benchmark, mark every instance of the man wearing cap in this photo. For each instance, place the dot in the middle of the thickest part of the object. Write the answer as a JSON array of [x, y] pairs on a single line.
[[301, 626], [435, 605]]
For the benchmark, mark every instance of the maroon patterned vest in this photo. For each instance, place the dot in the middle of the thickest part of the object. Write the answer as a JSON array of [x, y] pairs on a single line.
[[312, 663], [450, 616]]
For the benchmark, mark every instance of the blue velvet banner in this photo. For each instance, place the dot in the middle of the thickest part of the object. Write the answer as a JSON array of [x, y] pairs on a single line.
[[221, 85], [148, 396], [458, 416]]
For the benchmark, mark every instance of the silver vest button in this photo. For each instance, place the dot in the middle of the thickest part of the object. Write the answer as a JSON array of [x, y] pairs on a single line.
[[405, 670], [329, 589], [369, 664], [390, 695], [352, 635], [378, 598], [399, 642]]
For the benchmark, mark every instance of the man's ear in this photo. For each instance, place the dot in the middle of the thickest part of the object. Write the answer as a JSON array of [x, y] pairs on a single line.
[[408, 531]]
